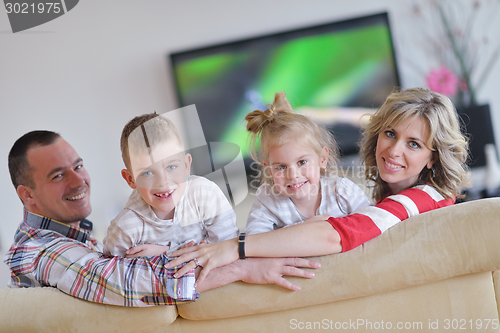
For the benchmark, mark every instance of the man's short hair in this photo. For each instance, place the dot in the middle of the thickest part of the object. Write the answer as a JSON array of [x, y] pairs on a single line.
[[147, 130], [21, 172]]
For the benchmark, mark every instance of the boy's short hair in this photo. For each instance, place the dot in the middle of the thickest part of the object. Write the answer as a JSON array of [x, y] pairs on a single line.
[[143, 133]]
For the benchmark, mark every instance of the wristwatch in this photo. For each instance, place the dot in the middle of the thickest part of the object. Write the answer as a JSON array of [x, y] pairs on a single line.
[[241, 245]]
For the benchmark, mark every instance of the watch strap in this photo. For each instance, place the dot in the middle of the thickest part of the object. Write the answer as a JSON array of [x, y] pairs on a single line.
[[241, 245]]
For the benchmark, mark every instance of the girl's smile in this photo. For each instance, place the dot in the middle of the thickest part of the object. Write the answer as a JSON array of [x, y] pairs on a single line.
[[296, 187], [295, 169]]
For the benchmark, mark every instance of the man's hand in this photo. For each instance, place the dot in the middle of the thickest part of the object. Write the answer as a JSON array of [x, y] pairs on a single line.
[[146, 250], [260, 271], [272, 270]]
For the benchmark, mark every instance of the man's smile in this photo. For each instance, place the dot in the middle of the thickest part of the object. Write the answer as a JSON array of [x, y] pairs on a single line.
[[76, 197]]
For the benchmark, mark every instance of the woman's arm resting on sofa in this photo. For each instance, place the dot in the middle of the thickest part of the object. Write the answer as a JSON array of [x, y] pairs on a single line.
[[260, 271], [301, 240]]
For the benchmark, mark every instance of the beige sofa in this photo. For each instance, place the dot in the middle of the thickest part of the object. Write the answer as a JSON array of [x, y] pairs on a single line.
[[434, 272]]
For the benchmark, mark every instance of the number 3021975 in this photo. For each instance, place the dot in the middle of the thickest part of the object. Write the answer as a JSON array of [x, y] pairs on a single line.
[[26, 8], [477, 324]]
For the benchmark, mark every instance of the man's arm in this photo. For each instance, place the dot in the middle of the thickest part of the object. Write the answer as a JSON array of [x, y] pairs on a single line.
[[260, 271], [45, 258]]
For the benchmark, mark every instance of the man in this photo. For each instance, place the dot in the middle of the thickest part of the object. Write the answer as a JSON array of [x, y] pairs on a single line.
[[53, 245]]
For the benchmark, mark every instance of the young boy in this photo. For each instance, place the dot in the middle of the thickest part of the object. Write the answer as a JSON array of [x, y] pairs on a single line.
[[168, 207]]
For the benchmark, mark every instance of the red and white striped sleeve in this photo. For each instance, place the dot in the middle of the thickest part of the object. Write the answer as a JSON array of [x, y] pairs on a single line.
[[369, 222]]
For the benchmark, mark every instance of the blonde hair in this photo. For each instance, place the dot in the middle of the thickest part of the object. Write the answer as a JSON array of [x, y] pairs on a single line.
[[279, 125], [143, 133], [448, 145]]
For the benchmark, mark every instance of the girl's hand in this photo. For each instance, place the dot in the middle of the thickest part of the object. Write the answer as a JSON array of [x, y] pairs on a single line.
[[146, 250], [317, 218], [207, 256]]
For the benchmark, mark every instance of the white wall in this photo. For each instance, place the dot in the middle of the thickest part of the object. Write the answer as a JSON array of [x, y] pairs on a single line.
[[88, 72]]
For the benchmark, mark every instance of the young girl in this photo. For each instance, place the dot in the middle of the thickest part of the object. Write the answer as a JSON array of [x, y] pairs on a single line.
[[415, 155], [297, 160]]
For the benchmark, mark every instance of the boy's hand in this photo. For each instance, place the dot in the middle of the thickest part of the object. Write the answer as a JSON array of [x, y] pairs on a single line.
[[146, 250]]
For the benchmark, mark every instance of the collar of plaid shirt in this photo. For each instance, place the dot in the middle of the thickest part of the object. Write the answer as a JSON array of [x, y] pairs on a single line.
[[40, 222]]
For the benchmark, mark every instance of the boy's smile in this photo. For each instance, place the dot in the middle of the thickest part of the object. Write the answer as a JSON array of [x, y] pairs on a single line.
[[164, 195]]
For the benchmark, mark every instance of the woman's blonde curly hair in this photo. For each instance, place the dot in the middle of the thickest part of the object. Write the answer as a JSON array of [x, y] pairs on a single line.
[[448, 145]]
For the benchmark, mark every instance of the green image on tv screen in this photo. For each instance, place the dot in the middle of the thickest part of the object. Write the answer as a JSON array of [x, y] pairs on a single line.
[[334, 73]]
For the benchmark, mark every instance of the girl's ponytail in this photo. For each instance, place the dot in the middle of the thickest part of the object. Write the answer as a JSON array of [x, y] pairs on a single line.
[[278, 125], [257, 120]]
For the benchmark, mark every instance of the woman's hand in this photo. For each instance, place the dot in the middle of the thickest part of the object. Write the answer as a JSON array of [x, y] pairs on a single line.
[[207, 256], [146, 250]]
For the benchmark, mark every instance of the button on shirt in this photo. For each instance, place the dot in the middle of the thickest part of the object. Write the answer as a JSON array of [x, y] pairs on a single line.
[[47, 253]]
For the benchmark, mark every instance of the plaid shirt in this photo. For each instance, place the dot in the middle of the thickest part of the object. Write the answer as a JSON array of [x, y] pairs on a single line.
[[47, 253]]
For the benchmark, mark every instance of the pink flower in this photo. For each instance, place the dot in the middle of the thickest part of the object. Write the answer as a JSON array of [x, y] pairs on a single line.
[[443, 81]]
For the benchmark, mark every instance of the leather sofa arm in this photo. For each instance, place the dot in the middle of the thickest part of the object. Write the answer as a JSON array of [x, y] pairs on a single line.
[[50, 310]]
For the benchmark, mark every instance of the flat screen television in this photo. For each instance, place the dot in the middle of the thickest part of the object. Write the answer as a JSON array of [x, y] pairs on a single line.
[[334, 73]]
